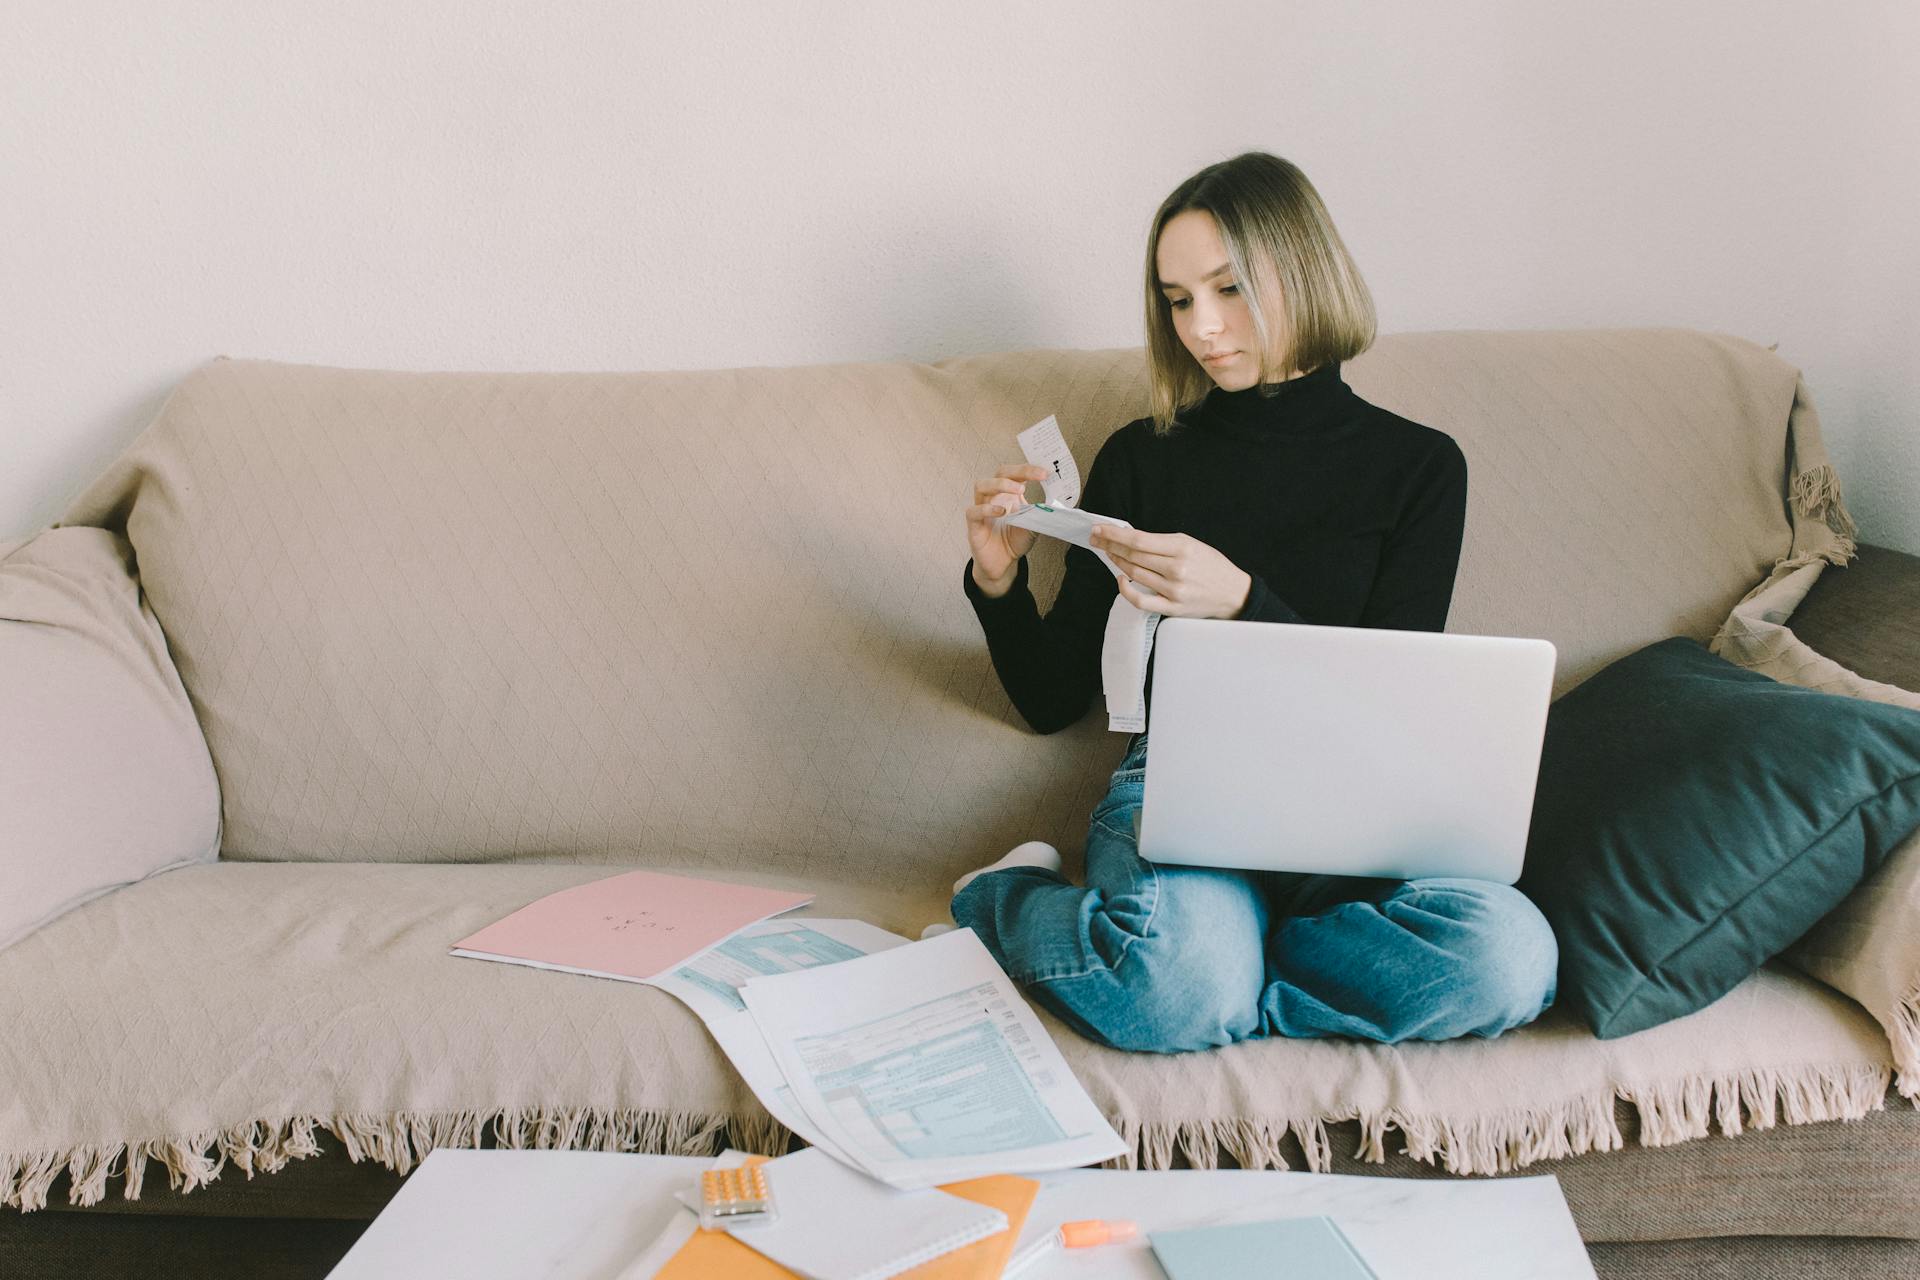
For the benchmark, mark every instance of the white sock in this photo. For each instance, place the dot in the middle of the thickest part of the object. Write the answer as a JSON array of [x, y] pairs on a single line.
[[1034, 853]]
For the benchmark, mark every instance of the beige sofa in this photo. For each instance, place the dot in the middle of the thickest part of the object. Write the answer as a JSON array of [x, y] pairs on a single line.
[[458, 640]]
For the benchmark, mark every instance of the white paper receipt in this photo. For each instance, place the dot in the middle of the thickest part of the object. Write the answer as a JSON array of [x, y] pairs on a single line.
[[1066, 524], [1123, 665], [1129, 638], [1043, 446]]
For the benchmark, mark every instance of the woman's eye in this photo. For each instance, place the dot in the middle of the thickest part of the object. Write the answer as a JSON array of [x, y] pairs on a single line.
[[1177, 303]]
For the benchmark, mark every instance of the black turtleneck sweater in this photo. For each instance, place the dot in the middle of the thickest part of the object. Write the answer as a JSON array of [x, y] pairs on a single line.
[[1344, 515]]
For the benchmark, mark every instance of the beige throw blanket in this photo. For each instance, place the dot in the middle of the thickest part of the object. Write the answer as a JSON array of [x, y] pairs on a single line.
[[358, 574]]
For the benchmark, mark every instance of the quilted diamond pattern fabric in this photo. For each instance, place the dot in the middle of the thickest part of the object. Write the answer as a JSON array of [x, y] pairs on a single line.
[[713, 619], [232, 1011]]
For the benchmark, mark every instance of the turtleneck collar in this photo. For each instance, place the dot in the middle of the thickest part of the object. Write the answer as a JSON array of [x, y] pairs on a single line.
[[1305, 403]]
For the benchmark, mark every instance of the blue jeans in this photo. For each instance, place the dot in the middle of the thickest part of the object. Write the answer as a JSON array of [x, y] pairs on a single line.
[[1171, 958]]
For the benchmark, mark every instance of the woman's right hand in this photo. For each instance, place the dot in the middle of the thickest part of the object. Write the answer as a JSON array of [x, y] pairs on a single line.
[[997, 548]]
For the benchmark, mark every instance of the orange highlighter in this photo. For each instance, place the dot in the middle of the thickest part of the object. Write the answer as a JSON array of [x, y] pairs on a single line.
[[1071, 1235]]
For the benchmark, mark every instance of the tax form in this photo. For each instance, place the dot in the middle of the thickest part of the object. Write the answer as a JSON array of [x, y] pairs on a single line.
[[925, 1066], [709, 984]]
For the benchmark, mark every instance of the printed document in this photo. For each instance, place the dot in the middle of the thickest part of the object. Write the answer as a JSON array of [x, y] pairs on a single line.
[[926, 1066], [710, 986]]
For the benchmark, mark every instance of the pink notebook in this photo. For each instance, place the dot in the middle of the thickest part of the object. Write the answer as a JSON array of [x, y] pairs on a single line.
[[633, 926]]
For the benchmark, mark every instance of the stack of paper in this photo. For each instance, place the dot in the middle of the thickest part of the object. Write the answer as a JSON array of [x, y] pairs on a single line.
[[919, 1067], [709, 985], [925, 1066]]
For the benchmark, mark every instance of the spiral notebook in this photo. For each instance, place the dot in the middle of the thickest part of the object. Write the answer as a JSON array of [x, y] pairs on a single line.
[[836, 1223], [687, 1253]]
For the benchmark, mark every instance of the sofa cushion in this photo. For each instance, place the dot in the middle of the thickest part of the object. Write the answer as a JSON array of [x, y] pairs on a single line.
[[104, 774], [232, 1012], [1693, 818], [714, 614]]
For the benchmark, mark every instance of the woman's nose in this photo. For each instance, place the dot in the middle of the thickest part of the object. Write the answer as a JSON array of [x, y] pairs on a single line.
[[1206, 319]]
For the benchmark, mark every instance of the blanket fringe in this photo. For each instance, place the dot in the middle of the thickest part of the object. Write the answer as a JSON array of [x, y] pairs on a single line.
[[1815, 494], [1501, 1142], [1905, 1037], [398, 1141]]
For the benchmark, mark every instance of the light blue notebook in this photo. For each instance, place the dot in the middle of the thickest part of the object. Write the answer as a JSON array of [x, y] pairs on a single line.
[[1297, 1248]]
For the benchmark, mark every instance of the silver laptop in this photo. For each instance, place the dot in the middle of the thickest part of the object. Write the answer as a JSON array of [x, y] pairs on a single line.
[[1343, 750]]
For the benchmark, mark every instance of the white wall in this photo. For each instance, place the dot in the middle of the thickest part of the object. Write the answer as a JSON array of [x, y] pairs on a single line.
[[621, 185]]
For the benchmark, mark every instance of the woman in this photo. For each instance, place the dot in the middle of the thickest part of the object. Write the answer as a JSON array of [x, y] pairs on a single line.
[[1260, 487]]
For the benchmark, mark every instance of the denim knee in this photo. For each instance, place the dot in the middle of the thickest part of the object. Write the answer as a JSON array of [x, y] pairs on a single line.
[[1187, 976], [1501, 951], [1167, 996]]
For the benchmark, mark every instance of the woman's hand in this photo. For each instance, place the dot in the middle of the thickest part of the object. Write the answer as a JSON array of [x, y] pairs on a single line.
[[997, 548], [1174, 575]]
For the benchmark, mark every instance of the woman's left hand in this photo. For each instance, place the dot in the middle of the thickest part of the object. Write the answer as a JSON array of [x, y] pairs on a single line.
[[1172, 574]]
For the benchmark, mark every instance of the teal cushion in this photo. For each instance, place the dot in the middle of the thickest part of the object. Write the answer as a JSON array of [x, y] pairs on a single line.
[[1693, 818]]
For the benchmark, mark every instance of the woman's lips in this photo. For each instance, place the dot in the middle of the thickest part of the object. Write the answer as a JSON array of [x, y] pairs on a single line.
[[1216, 359]]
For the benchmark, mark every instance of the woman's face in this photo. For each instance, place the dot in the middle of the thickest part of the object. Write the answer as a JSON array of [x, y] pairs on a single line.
[[1209, 311]]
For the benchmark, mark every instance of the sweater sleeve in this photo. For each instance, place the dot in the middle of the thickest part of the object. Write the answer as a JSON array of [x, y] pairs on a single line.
[[1413, 584], [1050, 667], [1263, 605]]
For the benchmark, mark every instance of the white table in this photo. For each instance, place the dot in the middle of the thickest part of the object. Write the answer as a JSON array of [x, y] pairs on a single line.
[[586, 1215]]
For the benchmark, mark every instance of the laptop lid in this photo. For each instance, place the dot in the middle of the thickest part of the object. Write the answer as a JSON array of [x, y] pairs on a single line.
[[1343, 750]]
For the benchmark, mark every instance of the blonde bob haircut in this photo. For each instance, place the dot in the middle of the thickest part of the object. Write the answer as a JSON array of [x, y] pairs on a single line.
[[1290, 264]]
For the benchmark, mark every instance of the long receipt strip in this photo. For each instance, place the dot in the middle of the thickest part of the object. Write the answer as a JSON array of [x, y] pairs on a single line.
[[925, 1066], [1129, 638], [709, 985]]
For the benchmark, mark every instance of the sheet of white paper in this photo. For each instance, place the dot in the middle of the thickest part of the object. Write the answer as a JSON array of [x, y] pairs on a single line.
[[739, 1037], [836, 1223], [925, 1066], [1123, 665], [1043, 446], [680, 1228], [709, 983], [1066, 524]]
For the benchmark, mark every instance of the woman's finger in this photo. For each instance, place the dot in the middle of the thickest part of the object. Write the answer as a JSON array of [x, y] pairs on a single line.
[[992, 510], [1166, 545], [1137, 563], [987, 488], [1111, 536], [1135, 555], [1141, 599], [1158, 583]]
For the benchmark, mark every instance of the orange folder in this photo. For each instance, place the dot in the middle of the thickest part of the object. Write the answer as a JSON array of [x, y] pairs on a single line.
[[715, 1255]]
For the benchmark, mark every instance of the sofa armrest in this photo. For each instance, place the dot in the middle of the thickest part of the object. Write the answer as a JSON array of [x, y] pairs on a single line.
[[1866, 617]]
